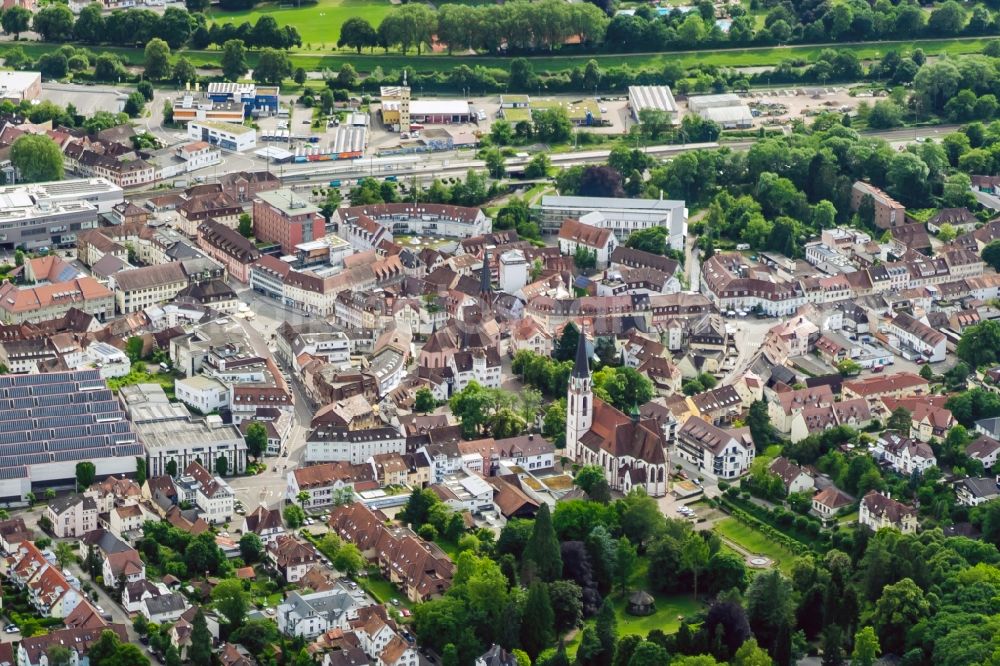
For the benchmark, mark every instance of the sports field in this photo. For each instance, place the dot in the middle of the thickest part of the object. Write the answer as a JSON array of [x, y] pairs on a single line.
[[318, 23]]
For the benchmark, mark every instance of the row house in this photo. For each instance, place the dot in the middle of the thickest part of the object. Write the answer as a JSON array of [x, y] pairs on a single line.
[[930, 419], [913, 334], [360, 309], [784, 406], [290, 557], [854, 413], [47, 589], [665, 308], [324, 483], [35, 650], [553, 312], [874, 389], [420, 568], [733, 283], [926, 270], [627, 257]]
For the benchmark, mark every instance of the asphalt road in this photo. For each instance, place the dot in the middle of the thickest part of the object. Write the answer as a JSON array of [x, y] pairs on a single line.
[[991, 201], [268, 487]]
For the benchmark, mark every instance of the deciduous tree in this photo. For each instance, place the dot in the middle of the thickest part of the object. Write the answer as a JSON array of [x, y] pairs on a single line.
[[230, 598], [36, 157], [234, 59], [15, 21], [157, 59], [85, 474]]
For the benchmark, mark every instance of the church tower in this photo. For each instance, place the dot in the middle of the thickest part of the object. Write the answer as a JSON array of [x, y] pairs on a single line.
[[486, 286], [580, 400]]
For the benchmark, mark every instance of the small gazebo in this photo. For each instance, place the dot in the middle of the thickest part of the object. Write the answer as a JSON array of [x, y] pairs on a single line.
[[641, 602]]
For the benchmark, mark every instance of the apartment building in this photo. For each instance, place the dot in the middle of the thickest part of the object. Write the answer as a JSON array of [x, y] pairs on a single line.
[[72, 515], [283, 217], [138, 288], [51, 301], [229, 247], [722, 454], [888, 212]]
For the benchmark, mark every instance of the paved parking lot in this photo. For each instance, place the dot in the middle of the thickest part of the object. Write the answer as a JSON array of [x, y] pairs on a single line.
[[88, 100]]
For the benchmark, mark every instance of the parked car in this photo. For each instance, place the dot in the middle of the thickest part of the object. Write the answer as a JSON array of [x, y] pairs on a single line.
[[11, 629]]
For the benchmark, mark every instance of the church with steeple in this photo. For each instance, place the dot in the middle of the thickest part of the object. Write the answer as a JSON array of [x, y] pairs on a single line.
[[630, 449]]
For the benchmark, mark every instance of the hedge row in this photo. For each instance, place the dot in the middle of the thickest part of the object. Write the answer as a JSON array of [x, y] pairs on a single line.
[[805, 527], [793, 545]]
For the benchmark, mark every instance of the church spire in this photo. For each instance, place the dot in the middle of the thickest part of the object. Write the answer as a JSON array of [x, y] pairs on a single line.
[[486, 277], [581, 368]]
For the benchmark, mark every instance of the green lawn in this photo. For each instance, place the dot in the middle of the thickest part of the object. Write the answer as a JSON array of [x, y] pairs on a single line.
[[144, 377], [668, 610], [754, 541], [382, 590], [318, 23], [318, 60]]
